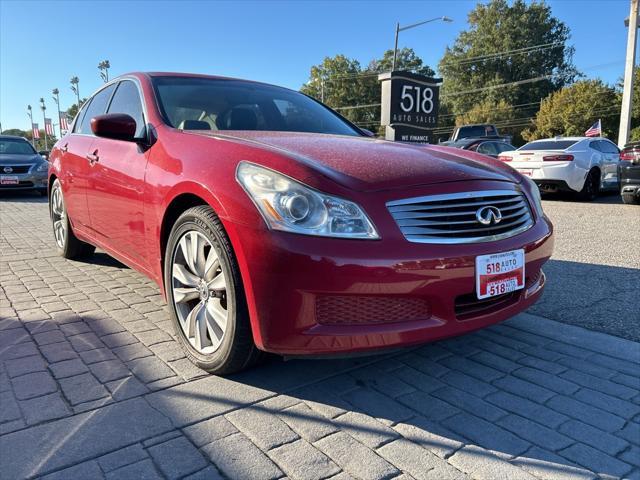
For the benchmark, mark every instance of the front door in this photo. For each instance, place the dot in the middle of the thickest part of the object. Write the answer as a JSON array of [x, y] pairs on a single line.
[[117, 172]]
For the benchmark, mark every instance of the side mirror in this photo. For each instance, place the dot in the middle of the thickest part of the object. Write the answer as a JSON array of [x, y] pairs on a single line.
[[44, 154], [118, 126], [367, 133]]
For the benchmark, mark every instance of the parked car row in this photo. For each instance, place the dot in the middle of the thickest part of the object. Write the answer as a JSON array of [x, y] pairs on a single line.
[[21, 167]]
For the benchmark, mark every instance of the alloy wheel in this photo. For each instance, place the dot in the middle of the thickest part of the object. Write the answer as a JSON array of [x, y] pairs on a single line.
[[199, 288], [58, 216]]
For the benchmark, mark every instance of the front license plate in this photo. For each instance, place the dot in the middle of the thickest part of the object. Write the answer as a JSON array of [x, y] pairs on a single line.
[[499, 273], [4, 180], [526, 171]]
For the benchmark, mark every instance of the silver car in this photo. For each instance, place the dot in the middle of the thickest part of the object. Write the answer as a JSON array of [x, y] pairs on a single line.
[[21, 167]]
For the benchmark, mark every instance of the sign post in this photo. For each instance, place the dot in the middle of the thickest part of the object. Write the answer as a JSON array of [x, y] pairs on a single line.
[[410, 105]]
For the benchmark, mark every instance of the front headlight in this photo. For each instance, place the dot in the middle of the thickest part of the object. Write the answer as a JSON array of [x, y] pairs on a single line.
[[291, 206], [535, 196], [43, 167]]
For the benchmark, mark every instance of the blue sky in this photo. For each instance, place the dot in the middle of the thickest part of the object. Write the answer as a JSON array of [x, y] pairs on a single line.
[[44, 43]]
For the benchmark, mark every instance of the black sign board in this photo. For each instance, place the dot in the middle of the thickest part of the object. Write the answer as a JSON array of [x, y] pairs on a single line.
[[410, 102], [409, 134]]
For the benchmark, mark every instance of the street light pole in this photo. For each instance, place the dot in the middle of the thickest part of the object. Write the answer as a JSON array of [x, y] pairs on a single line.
[[30, 113], [413, 25], [44, 122], [56, 98], [627, 91], [395, 48]]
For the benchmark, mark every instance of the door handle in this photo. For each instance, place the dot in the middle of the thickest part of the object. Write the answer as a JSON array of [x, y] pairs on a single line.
[[65, 148], [93, 157]]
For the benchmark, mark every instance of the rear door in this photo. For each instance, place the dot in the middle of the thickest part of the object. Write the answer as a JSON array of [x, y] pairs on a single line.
[[74, 162], [610, 162], [117, 181]]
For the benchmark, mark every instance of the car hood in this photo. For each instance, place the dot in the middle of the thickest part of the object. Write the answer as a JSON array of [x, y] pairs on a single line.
[[13, 159], [367, 164]]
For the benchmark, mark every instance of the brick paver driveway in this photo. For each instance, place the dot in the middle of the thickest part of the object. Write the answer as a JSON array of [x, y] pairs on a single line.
[[92, 385]]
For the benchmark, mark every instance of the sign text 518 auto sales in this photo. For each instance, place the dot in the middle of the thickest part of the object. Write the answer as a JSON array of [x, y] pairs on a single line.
[[416, 105]]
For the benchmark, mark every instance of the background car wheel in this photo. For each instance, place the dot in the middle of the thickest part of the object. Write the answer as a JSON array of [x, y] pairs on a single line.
[[206, 296], [67, 243], [591, 187], [631, 199]]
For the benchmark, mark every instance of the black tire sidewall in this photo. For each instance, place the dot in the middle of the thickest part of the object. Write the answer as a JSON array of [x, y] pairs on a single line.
[[188, 222]]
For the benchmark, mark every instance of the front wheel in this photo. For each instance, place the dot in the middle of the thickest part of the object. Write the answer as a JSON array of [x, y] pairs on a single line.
[[67, 244], [206, 296], [591, 187]]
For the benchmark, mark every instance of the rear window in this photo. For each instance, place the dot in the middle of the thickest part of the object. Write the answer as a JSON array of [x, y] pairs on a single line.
[[549, 145], [477, 131]]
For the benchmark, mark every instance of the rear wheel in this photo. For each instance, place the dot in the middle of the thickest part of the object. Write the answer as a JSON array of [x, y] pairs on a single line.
[[591, 187], [631, 199], [206, 296], [67, 243]]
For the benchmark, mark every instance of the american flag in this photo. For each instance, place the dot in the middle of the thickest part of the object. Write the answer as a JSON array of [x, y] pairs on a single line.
[[64, 123], [48, 126], [36, 130], [595, 130]]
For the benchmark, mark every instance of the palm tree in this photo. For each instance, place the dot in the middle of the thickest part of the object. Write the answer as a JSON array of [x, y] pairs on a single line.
[[104, 67], [75, 87]]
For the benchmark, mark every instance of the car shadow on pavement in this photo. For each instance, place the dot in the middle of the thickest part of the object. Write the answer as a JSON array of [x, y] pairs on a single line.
[[598, 297], [609, 197], [22, 197]]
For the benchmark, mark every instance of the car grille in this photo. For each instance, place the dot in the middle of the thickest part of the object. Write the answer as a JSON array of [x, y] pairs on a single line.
[[369, 310], [15, 169], [452, 218]]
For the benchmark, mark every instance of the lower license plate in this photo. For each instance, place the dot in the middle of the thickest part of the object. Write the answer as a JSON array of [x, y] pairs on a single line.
[[4, 180], [526, 171], [499, 273]]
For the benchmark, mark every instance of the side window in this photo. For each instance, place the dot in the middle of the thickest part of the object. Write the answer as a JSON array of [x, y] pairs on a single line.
[[488, 148], [596, 145], [127, 100], [80, 116], [98, 106], [504, 147], [608, 147]]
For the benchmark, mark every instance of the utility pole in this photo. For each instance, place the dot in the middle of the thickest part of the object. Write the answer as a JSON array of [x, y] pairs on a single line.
[[395, 48], [30, 114], [56, 98], [44, 122], [627, 92]]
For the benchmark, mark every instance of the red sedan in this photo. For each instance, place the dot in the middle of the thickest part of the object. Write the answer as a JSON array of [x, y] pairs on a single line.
[[272, 224]]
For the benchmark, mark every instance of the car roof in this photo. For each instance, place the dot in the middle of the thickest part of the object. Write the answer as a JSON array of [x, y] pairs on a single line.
[[13, 137]]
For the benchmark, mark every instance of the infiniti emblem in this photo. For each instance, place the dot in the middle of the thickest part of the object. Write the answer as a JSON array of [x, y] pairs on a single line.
[[8, 169], [489, 215]]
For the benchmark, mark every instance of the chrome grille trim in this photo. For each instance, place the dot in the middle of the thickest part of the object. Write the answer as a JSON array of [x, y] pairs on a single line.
[[448, 218]]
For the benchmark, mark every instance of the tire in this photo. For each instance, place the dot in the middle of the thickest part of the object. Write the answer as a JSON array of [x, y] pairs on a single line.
[[206, 297], [67, 244], [591, 187], [630, 199]]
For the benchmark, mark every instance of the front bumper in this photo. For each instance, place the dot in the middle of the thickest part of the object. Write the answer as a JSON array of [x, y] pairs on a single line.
[[312, 296], [26, 181]]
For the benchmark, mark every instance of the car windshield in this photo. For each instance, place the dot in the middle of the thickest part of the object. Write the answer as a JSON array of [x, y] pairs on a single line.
[[15, 146], [192, 103], [548, 145]]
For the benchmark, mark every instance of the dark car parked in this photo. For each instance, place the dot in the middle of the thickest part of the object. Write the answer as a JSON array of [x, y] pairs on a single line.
[[492, 146], [629, 173], [21, 167]]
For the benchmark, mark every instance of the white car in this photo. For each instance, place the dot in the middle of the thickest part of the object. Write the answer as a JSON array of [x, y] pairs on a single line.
[[583, 165]]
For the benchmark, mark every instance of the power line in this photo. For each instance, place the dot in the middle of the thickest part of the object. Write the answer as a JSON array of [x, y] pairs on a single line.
[[517, 51]]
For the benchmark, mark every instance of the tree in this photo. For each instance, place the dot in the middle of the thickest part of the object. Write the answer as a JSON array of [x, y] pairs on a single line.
[[536, 42], [341, 82], [72, 111], [104, 67], [572, 110]]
